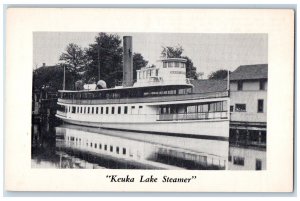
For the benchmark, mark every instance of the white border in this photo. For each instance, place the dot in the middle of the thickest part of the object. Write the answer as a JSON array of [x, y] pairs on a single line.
[[22, 22]]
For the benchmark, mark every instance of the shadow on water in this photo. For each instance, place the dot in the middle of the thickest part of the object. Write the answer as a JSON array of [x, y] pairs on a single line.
[[43, 140], [57, 145]]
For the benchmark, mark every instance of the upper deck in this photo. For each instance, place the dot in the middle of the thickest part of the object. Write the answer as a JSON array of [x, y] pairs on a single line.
[[153, 94], [126, 92]]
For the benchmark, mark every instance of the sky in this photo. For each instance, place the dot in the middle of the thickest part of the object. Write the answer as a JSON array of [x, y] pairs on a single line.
[[209, 52]]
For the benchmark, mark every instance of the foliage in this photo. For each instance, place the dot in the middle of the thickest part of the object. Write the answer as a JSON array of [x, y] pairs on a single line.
[[191, 70], [171, 52], [74, 59], [51, 77], [218, 75], [107, 53]]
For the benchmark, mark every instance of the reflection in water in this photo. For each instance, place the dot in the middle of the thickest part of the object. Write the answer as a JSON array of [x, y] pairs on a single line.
[[70, 146]]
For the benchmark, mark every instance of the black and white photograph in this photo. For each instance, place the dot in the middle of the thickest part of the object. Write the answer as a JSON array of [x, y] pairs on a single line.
[[149, 101]]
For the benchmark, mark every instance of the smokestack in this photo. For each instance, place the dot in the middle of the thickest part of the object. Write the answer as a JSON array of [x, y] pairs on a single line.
[[127, 61]]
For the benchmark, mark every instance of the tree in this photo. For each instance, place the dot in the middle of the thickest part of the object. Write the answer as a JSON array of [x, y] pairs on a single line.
[[176, 52], [105, 53], [191, 70], [219, 75], [51, 77], [172, 52], [74, 59], [138, 63]]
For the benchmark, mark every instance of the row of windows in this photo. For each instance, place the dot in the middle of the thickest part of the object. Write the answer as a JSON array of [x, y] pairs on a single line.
[[196, 108], [105, 147], [102, 110], [173, 64], [242, 107], [262, 85], [133, 93], [147, 73], [237, 160]]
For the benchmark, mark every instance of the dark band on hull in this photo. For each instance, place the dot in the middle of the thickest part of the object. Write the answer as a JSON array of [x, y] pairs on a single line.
[[205, 137]]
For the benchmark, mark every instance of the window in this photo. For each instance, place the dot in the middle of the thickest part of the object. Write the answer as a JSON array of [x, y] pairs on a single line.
[[107, 110], [73, 109], [105, 147], [205, 108], [80, 109], [260, 105], [101, 110], [117, 150], [100, 146], [125, 110], [132, 109], [124, 151], [77, 109], [140, 107], [191, 109], [92, 110], [231, 108], [156, 72], [169, 64], [139, 74], [240, 86], [258, 164], [97, 109], [240, 107], [177, 65], [91, 144], [261, 85], [88, 110], [84, 110], [119, 110], [165, 65], [112, 110], [111, 148], [238, 160], [95, 145], [212, 107]]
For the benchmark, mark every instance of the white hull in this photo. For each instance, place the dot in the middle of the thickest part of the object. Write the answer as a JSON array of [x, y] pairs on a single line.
[[206, 129]]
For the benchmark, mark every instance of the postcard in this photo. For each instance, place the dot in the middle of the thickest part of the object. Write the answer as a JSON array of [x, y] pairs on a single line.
[[149, 100]]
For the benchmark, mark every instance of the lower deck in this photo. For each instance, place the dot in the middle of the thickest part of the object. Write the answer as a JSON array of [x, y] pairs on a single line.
[[201, 117]]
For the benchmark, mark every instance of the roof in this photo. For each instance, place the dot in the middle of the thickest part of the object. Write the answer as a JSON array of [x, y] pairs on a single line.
[[174, 59], [205, 86], [169, 86], [250, 72]]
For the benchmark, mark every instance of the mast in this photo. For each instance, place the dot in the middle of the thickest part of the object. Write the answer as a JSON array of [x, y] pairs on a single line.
[[64, 82], [99, 62], [228, 83]]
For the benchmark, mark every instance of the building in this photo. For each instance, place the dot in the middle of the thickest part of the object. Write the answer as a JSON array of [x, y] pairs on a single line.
[[248, 114]]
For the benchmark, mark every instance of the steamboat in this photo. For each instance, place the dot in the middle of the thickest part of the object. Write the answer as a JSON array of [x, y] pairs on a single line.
[[161, 101]]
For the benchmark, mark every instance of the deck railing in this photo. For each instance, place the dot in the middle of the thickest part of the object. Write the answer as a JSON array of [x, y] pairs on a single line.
[[148, 99], [193, 116]]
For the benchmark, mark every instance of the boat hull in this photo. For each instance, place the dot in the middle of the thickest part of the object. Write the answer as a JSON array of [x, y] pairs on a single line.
[[204, 129]]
